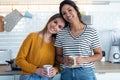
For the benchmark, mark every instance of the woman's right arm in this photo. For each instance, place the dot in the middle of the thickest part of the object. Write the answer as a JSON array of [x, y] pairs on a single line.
[[62, 59], [22, 55], [59, 55]]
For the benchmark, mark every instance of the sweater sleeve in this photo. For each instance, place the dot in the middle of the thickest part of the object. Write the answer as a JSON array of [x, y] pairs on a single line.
[[21, 59]]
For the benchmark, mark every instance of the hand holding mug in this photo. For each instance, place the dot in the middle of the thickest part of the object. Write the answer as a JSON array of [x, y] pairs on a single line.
[[69, 61]]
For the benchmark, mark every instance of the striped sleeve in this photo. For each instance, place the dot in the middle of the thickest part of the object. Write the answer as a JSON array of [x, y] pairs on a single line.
[[95, 39], [58, 42]]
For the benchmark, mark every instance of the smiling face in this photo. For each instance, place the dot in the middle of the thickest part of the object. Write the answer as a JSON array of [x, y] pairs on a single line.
[[69, 13], [55, 25]]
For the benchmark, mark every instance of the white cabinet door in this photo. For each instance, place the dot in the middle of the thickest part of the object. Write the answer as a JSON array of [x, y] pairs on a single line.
[[17, 77], [113, 76], [108, 76], [100, 76], [6, 77]]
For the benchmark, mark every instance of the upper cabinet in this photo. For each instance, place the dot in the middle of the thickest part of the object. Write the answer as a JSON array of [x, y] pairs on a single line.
[[55, 2]]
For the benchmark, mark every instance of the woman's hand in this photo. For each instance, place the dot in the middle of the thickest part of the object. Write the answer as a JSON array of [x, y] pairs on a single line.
[[52, 72], [69, 61], [41, 72], [80, 60]]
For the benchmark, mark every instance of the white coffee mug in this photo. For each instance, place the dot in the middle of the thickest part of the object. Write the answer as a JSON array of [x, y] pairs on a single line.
[[74, 58], [47, 66]]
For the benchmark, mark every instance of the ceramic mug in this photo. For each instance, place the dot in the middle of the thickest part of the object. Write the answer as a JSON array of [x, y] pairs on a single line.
[[74, 60], [47, 66]]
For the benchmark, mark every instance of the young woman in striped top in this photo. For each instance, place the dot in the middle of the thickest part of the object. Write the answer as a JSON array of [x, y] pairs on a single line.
[[77, 39]]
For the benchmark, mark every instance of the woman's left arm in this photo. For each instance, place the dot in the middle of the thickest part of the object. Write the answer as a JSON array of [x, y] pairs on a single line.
[[96, 57]]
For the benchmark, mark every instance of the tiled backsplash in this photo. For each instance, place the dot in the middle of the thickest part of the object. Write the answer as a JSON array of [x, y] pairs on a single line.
[[13, 40], [103, 21]]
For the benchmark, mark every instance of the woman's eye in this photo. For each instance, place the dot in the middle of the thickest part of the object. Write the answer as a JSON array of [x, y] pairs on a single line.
[[60, 27], [63, 13], [55, 21], [70, 10]]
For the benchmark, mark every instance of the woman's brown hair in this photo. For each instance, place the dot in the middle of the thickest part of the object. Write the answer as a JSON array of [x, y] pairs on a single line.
[[45, 29]]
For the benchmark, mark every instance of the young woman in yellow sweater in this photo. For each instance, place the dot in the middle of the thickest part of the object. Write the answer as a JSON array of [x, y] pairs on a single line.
[[38, 50]]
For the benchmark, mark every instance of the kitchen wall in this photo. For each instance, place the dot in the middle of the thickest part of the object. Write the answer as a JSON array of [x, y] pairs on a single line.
[[105, 18], [12, 40]]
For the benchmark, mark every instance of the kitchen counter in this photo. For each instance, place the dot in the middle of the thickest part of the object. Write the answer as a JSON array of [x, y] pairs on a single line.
[[4, 71], [107, 67], [101, 67]]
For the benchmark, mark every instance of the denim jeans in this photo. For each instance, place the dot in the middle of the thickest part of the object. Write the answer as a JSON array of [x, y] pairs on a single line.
[[80, 73], [33, 77]]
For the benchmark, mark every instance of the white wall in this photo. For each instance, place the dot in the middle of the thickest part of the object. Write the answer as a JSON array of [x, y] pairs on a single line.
[[104, 18], [13, 40]]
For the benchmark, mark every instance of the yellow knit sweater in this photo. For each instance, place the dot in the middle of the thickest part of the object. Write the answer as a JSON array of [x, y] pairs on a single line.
[[32, 56]]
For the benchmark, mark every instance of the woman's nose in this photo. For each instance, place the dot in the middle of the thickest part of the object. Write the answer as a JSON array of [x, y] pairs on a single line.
[[67, 13], [56, 26]]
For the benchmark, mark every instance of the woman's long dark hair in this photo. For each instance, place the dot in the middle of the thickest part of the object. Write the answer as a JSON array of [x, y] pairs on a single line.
[[71, 3]]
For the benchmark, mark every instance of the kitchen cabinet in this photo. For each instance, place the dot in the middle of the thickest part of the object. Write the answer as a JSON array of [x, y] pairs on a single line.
[[16, 77], [9, 77], [107, 76], [103, 71], [6, 77]]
